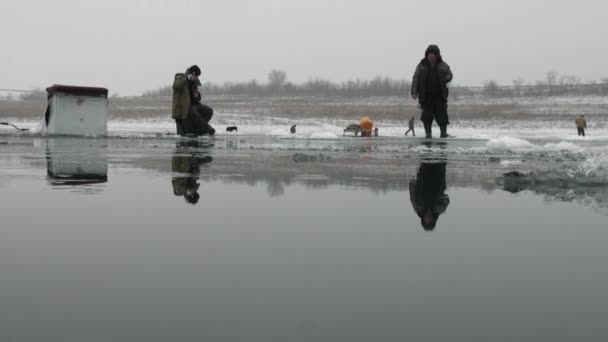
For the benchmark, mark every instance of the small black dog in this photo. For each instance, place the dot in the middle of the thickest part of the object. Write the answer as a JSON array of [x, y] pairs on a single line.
[[293, 129], [232, 129]]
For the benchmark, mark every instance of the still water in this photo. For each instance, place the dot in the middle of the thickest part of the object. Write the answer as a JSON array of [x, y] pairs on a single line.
[[165, 241]]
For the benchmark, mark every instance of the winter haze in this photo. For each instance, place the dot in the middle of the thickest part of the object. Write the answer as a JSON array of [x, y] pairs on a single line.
[[131, 46]]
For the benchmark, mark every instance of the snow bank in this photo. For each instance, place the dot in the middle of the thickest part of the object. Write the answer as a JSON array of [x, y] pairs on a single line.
[[511, 144], [323, 136]]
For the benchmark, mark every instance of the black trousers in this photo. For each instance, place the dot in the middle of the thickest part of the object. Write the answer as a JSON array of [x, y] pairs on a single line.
[[411, 130], [197, 122], [581, 132], [435, 107]]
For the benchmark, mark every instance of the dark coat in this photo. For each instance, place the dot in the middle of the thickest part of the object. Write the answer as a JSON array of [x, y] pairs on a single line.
[[419, 81], [193, 84]]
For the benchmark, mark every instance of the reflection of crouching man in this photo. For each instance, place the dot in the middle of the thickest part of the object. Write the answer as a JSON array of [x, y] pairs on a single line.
[[427, 194], [186, 167]]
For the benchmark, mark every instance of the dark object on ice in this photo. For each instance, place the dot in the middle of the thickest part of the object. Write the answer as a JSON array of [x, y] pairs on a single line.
[[430, 88], [357, 129], [15, 127], [427, 193], [302, 158], [186, 165], [581, 125], [515, 181], [293, 129], [494, 160], [232, 129]]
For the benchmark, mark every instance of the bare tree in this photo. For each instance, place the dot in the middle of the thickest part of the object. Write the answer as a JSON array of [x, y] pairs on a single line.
[[491, 88], [552, 80], [570, 83], [518, 84], [276, 80]]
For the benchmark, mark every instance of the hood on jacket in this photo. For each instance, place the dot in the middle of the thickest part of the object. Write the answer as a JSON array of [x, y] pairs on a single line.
[[195, 70], [433, 49]]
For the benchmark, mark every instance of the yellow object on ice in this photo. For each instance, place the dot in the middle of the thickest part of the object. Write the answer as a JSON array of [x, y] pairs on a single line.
[[367, 123]]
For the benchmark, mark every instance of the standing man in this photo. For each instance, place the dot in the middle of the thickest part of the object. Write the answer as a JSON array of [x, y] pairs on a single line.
[[411, 126], [181, 104], [581, 125], [430, 88]]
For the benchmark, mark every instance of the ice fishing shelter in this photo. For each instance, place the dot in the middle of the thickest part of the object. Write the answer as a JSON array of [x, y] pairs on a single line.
[[81, 111]]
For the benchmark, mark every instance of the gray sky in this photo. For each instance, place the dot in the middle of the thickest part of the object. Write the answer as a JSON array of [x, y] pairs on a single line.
[[133, 45]]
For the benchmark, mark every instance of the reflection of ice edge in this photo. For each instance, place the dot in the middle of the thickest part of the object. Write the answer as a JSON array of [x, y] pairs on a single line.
[[586, 183], [586, 160]]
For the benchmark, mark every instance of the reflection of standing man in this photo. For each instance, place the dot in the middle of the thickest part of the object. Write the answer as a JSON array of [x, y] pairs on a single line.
[[186, 167], [430, 88], [427, 193]]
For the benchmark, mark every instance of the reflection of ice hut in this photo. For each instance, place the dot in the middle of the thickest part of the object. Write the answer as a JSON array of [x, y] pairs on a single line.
[[79, 111], [75, 161]]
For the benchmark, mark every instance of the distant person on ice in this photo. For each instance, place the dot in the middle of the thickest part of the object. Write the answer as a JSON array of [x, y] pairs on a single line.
[[430, 88], [411, 126], [581, 125], [191, 116]]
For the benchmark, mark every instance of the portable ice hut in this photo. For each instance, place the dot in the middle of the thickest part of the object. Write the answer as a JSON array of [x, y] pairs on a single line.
[[74, 110]]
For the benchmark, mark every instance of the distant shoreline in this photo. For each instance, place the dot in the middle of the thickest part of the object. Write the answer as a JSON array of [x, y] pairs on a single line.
[[379, 108]]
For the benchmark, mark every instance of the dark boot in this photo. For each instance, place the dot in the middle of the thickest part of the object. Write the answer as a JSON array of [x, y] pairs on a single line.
[[444, 131], [428, 130]]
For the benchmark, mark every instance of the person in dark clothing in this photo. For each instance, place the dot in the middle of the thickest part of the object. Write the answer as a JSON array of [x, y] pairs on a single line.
[[411, 126], [199, 115], [186, 166], [581, 125], [430, 88], [427, 193]]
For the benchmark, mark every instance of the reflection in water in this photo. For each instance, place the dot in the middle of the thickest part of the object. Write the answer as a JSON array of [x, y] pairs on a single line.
[[188, 157], [586, 190], [77, 162], [427, 193]]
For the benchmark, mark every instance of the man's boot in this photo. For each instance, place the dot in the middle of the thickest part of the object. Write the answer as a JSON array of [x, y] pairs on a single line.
[[428, 130], [444, 131]]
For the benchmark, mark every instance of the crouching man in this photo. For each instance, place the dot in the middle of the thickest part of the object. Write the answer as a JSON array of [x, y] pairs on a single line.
[[191, 116]]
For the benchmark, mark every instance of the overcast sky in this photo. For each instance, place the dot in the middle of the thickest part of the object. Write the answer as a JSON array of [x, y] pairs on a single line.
[[133, 45]]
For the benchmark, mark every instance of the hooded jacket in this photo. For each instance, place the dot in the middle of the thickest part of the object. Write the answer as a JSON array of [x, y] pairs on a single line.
[[580, 122], [419, 82], [180, 106]]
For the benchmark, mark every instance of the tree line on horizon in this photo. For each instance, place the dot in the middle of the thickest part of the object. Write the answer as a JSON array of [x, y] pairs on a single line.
[[277, 84]]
